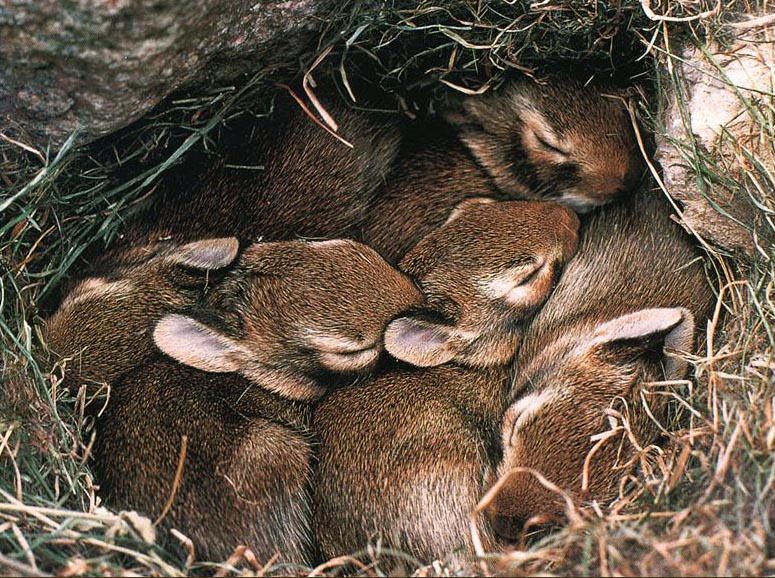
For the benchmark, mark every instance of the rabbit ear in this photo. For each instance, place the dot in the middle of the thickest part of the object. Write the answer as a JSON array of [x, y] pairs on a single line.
[[207, 254], [199, 346], [193, 343], [420, 342], [649, 330]]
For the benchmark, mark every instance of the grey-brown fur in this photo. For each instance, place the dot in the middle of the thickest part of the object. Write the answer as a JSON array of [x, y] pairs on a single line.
[[311, 185], [291, 317], [636, 285], [560, 141], [404, 457], [499, 145], [292, 314], [103, 326], [247, 466]]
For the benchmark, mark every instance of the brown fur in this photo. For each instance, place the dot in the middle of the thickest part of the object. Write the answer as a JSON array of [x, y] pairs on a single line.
[[104, 324], [291, 313], [499, 145], [275, 319], [291, 318], [247, 467], [635, 287], [560, 141], [488, 268], [403, 458], [311, 185]]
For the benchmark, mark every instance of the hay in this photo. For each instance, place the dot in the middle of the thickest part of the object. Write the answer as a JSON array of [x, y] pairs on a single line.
[[701, 504]]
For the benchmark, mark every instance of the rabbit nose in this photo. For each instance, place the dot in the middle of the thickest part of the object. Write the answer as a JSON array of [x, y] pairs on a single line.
[[507, 528], [517, 530]]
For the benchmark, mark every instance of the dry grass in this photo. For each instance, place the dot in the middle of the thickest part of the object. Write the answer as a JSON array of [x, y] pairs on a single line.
[[700, 503]]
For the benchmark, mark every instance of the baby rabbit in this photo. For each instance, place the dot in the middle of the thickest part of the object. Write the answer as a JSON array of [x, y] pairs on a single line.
[[561, 141], [104, 323], [634, 292], [275, 179], [244, 456], [484, 272], [403, 458], [292, 313], [311, 185], [279, 328]]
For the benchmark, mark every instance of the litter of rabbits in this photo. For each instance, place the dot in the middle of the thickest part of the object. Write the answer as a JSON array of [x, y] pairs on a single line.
[[700, 500]]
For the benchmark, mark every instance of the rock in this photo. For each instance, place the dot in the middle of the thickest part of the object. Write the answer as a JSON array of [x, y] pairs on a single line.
[[716, 149], [100, 64]]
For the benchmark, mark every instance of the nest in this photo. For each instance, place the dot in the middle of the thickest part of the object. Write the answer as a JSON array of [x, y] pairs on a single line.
[[701, 504]]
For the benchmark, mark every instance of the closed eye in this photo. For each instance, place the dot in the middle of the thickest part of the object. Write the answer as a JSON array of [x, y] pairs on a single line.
[[350, 361], [551, 147], [529, 273], [338, 344], [343, 348], [523, 271]]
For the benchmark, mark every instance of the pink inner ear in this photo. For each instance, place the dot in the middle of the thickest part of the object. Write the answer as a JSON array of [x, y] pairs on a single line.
[[681, 339], [675, 323], [639, 324], [419, 342], [192, 343], [207, 254]]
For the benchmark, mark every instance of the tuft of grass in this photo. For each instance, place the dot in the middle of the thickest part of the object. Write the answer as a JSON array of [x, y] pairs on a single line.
[[700, 503], [58, 207]]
